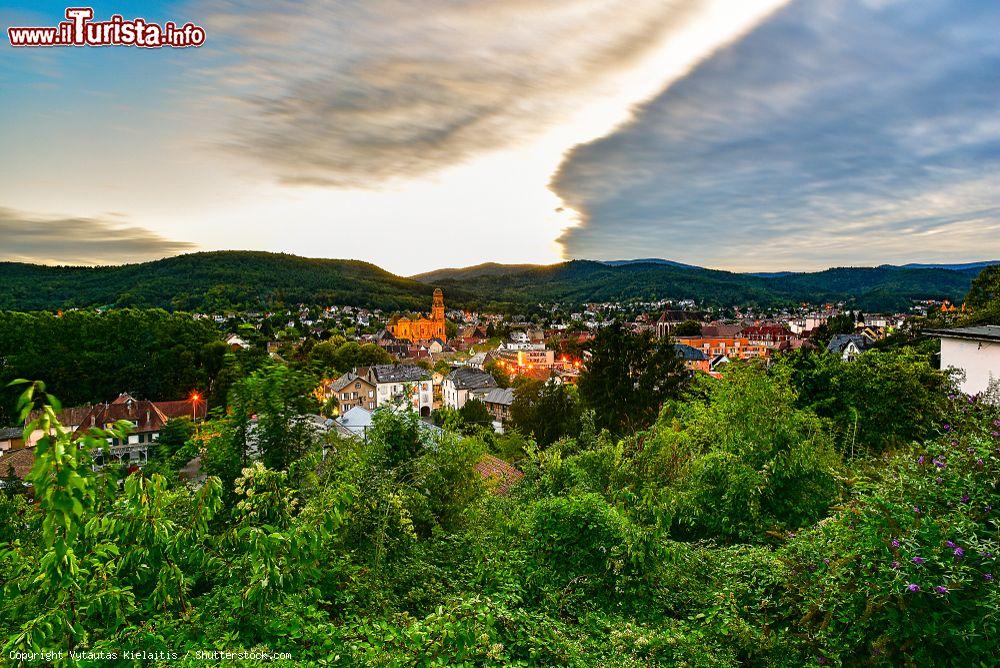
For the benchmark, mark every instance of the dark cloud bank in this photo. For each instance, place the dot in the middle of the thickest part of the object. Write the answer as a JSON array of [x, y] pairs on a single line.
[[835, 133]]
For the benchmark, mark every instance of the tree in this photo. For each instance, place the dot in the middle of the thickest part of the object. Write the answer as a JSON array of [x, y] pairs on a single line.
[[280, 399], [628, 378], [879, 401], [475, 414], [687, 328], [983, 299], [499, 374], [547, 411]]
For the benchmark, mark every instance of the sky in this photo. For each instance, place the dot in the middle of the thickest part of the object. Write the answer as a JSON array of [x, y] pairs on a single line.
[[749, 135]]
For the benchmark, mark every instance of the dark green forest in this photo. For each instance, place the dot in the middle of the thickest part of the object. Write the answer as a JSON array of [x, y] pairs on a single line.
[[227, 280], [214, 282]]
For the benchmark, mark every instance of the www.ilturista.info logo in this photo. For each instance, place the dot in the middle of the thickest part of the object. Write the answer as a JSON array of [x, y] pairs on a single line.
[[80, 30]]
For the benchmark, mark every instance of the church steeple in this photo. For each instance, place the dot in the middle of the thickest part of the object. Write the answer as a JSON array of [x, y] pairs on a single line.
[[437, 308]]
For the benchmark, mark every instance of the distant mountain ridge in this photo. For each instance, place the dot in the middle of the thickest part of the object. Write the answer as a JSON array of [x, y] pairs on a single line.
[[225, 280]]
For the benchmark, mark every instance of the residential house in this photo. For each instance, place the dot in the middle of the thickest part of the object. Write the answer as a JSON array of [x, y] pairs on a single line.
[[358, 421], [693, 358], [732, 347], [498, 401], [462, 383], [848, 346], [350, 391], [402, 385], [11, 438], [975, 351]]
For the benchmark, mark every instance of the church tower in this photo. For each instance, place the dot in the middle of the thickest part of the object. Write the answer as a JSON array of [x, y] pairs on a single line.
[[437, 308]]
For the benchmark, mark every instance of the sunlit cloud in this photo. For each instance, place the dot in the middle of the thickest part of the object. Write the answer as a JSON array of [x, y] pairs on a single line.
[[65, 240]]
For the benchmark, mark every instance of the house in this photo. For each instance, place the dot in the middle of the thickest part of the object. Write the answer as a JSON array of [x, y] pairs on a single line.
[[11, 439], [402, 384], [526, 355], [147, 419], [236, 343], [732, 347], [462, 383], [498, 401], [480, 360], [975, 351], [768, 335], [358, 421], [693, 359], [350, 391], [848, 346], [354, 422]]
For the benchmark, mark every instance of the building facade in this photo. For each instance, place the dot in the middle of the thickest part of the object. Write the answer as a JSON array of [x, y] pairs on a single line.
[[423, 328]]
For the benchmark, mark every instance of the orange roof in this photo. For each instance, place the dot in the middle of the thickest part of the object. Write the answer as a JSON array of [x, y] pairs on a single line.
[[498, 473]]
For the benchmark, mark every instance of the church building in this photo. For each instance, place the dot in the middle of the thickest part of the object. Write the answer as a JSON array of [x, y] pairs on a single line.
[[421, 329]]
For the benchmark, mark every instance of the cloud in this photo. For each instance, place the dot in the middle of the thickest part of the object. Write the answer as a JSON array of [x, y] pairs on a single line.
[[835, 133], [52, 240], [363, 92]]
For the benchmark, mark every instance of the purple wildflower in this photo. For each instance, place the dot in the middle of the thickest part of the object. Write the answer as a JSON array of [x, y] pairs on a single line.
[[947, 427], [913, 587], [894, 565], [920, 459], [965, 498], [918, 560], [939, 480], [959, 552], [979, 462], [916, 509], [988, 577], [950, 543], [895, 542], [941, 589]]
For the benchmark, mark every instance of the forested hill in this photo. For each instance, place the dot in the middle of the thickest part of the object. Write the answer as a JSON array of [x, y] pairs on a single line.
[[210, 281], [243, 279], [867, 288]]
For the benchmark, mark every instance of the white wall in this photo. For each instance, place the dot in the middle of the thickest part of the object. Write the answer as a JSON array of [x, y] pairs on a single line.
[[980, 360]]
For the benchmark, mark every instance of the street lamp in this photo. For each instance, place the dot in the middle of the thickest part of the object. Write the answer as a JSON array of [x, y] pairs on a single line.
[[195, 398]]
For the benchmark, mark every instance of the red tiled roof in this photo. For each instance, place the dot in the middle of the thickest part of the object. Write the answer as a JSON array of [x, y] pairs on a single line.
[[143, 414], [21, 461], [498, 473]]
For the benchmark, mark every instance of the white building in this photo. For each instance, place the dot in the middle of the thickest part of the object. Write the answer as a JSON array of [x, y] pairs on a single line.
[[463, 383], [403, 385], [975, 351]]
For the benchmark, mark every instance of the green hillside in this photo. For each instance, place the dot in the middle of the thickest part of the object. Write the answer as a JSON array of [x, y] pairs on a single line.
[[210, 281], [880, 288], [243, 279]]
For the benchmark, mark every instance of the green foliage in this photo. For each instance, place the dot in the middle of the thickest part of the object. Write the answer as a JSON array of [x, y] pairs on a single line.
[[215, 281], [879, 401], [743, 461], [726, 534], [336, 357], [155, 354], [628, 378], [225, 280], [983, 300], [545, 411]]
